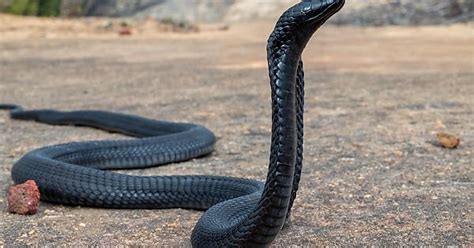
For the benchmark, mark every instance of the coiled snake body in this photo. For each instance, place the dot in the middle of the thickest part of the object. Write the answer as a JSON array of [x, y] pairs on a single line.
[[240, 212]]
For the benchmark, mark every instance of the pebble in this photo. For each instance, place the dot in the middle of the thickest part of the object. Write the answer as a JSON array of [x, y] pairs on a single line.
[[49, 211], [24, 198], [447, 140]]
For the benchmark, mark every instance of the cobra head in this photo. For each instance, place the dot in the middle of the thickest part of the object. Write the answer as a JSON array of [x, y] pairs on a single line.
[[301, 21], [311, 14]]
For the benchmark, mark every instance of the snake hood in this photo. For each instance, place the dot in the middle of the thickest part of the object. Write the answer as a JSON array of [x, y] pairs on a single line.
[[298, 24]]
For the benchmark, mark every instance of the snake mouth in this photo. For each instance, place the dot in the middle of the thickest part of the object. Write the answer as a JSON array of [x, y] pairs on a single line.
[[319, 11]]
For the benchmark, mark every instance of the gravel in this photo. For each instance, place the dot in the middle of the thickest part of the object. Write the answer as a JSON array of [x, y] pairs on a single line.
[[376, 97]]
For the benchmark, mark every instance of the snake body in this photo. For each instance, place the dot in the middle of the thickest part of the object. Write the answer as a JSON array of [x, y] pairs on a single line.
[[240, 212]]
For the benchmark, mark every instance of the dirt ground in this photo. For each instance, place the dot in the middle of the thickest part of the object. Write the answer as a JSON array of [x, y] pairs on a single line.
[[376, 97]]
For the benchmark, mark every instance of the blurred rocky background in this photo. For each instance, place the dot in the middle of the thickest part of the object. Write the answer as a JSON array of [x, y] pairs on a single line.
[[357, 12]]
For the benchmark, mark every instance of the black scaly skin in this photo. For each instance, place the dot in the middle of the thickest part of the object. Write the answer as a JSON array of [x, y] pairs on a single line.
[[240, 212]]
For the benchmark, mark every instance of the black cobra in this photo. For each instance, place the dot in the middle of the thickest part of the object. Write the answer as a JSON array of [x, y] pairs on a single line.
[[239, 212]]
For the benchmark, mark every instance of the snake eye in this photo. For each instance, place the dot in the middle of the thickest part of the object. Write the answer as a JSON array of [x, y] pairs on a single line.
[[306, 9]]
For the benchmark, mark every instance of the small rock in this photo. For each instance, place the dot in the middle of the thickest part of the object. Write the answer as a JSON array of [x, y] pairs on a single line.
[[24, 198], [448, 140], [49, 211], [125, 32], [172, 225], [125, 29]]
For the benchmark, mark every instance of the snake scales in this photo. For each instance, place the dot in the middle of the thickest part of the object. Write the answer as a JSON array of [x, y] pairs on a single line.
[[240, 212]]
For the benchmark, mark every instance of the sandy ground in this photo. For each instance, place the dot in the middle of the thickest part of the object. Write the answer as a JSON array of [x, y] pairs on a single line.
[[375, 99]]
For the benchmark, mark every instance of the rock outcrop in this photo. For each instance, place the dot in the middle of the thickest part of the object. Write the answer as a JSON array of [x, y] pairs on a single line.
[[357, 12]]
